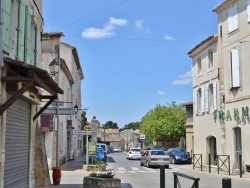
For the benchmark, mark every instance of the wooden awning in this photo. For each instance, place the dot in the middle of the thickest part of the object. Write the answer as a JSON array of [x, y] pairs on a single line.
[[18, 71]]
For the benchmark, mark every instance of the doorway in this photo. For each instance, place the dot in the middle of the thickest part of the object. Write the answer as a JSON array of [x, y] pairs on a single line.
[[212, 150], [238, 144]]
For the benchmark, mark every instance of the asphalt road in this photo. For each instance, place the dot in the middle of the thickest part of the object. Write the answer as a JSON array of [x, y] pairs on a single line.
[[134, 176]]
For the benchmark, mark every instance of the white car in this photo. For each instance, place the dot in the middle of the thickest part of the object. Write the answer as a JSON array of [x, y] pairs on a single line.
[[134, 153], [117, 149], [154, 158]]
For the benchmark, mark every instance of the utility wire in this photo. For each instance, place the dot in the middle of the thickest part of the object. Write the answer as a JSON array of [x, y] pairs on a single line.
[[93, 14]]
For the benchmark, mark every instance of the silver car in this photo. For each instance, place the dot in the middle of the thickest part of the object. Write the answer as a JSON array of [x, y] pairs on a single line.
[[154, 158]]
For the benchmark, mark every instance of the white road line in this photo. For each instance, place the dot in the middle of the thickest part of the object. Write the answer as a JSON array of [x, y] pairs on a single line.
[[131, 171], [122, 172], [142, 171], [135, 168], [121, 169]]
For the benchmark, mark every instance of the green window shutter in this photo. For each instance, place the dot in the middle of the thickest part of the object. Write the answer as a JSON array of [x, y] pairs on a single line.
[[6, 25], [27, 35], [37, 45], [20, 31]]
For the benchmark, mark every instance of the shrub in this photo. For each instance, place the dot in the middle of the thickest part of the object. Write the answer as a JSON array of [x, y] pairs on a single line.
[[102, 175]]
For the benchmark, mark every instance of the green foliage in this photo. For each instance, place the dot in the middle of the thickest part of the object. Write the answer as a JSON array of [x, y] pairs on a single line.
[[99, 162], [133, 125], [102, 175], [84, 122], [110, 125], [164, 123]]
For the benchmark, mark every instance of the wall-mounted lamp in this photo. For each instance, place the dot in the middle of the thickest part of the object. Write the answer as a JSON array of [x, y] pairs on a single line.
[[76, 109], [54, 67]]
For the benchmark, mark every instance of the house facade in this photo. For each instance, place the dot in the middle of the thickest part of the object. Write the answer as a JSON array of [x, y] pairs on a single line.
[[22, 151], [224, 128], [69, 78]]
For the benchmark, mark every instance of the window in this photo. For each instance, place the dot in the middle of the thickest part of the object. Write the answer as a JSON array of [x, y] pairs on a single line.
[[6, 25], [211, 97], [232, 19], [199, 66], [235, 69], [210, 58], [199, 100]]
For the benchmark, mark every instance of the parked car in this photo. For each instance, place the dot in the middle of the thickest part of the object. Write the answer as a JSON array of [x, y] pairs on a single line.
[[110, 149], [178, 155], [134, 153], [158, 147], [117, 149], [154, 158]]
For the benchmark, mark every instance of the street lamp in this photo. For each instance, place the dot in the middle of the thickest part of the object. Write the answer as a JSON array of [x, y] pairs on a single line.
[[76, 109], [54, 67]]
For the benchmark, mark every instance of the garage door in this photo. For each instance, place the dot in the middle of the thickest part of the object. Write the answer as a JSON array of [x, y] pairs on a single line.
[[16, 166]]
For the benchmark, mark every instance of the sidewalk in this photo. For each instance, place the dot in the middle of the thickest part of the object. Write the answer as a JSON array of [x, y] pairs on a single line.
[[73, 174]]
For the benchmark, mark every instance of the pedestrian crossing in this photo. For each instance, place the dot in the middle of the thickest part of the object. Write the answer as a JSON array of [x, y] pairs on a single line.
[[142, 170]]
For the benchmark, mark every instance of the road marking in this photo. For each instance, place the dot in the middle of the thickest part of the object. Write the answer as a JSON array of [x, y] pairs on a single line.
[[119, 172], [142, 171], [131, 171], [121, 169], [134, 168]]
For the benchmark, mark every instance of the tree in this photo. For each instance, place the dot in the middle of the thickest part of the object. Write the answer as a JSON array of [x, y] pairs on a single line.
[[164, 123], [133, 125], [110, 125]]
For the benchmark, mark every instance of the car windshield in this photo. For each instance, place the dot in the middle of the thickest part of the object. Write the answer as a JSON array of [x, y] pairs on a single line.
[[157, 153], [178, 150], [158, 147], [135, 149]]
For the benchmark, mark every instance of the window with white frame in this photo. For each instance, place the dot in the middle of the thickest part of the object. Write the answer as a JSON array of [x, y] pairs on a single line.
[[235, 69], [199, 100], [232, 19], [210, 97], [210, 58], [199, 68]]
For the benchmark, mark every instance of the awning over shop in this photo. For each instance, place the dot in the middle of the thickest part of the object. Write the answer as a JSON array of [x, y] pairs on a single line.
[[31, 76]]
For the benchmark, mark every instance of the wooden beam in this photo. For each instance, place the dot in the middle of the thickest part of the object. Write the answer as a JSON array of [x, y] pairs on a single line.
[[44, 107], [42, 84], [14, 97], [16, 79]]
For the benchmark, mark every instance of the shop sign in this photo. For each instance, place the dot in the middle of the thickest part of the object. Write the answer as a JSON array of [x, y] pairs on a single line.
[[237, 116]]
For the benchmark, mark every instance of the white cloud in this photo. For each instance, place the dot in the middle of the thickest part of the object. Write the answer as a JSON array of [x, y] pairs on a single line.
[[107, 30], [139, 24], [168, 37], [161, 92], [184, 79]]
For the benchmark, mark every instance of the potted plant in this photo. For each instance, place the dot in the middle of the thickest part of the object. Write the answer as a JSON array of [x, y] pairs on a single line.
[[102, 180]]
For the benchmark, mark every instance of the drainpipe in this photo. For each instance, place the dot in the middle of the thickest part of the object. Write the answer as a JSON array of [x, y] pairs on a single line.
[[1, 33]]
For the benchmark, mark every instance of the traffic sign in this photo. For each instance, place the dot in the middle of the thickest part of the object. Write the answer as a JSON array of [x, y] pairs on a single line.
[[61, 111], [81, 132], [142, 136]]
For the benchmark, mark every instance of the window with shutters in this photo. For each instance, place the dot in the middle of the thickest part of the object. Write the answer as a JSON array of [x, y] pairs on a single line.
[[235, 69], [232, 19], [210, 96], [210, 59], [20, 31], [199, 100], [6, 25], [199, 68], [27, 35]]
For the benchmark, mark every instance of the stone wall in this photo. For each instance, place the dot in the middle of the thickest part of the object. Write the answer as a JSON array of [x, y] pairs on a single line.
[[91, 182]]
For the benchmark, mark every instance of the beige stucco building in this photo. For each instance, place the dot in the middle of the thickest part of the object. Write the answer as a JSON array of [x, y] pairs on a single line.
[[221, 92]]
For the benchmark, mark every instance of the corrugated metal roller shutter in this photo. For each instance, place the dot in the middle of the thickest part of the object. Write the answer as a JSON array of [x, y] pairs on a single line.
[[16, 166]]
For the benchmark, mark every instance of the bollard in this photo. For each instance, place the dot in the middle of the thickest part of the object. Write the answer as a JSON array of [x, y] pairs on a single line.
[[240, 163], [226, 183], [162, 176]]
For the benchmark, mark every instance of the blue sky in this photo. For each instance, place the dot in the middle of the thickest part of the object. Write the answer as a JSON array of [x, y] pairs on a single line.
[[133, 52]]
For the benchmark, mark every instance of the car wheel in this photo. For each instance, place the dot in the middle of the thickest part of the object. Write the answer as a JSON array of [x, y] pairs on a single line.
[[166, 166], [173, 161], [148, 165]]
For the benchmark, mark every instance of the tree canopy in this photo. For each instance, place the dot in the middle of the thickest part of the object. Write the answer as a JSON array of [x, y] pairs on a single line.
[[133, 125], [164, 122], [110, 125]]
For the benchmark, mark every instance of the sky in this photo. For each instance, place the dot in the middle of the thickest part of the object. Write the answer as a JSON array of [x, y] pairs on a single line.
[[133, 53]]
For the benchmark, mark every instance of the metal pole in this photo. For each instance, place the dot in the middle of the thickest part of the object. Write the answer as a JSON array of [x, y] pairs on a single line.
[[162, 176], [87, 149], [226, 183], [57, 135]]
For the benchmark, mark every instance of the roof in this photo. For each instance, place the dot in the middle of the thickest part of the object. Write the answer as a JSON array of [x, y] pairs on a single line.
[[111, 131], [202, 42], [216, 9], [42, 78], [187, 103], [53, 34], [107, 139]]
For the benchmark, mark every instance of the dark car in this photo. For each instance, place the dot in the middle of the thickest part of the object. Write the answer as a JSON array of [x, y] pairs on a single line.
[[110, 149], [178, 155]]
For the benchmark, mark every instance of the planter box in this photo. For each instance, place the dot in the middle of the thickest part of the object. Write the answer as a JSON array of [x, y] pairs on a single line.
[[94, 168], [92, 182]]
